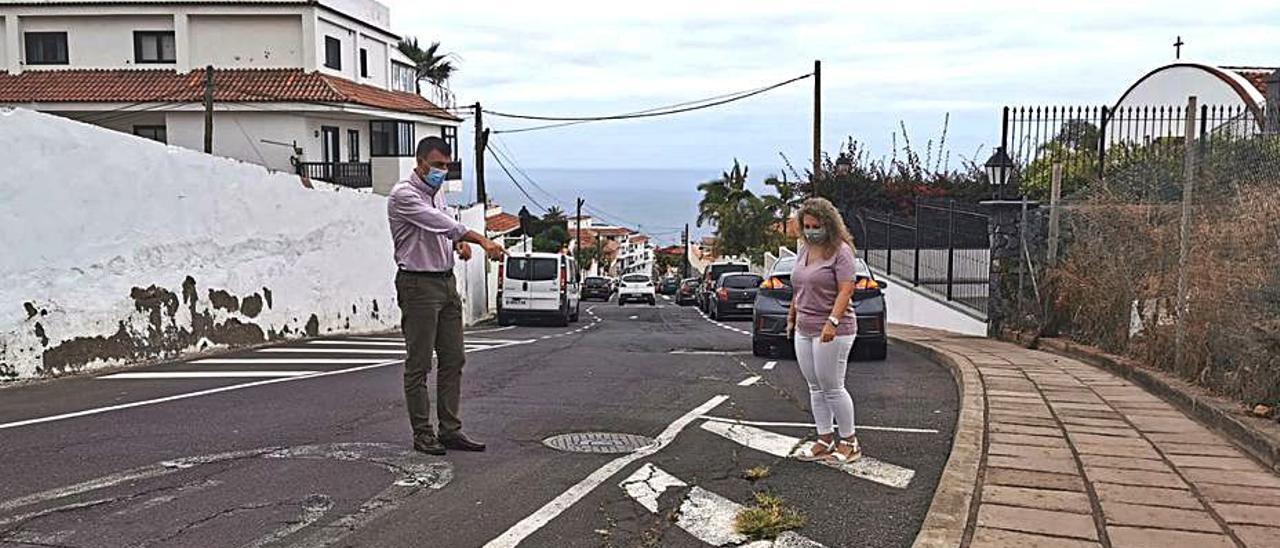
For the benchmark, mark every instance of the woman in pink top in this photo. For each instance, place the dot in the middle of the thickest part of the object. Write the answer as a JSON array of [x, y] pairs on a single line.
[[824, 324]]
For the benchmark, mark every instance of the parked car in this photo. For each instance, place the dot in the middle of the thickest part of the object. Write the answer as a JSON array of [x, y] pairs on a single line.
[[709, 277], [735, 295], [538, 286], [769, 321], [688, 292], [597, 287], [669, 285], [636, 288]]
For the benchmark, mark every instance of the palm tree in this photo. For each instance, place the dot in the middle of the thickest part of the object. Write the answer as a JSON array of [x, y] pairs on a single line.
[[724, 197], [429, 65], [554, 216]]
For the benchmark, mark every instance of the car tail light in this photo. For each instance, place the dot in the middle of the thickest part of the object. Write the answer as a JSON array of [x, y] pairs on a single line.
[[773, 283], [502, 268], [564, 278], [722, 293], [866, 284]]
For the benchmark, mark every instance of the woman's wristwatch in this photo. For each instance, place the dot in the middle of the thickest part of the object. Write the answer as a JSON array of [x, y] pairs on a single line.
[[834, 321]]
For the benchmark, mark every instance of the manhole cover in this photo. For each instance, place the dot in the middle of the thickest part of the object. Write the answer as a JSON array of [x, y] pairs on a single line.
[[597, 442]]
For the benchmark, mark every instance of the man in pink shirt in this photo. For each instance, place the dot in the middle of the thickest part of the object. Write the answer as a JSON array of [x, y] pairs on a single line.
[[426, 237]]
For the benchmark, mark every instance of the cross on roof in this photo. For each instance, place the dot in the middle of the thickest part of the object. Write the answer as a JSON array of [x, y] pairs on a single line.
[[1178, 48]]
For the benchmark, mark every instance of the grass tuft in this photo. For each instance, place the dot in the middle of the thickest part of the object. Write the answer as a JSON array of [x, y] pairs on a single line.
[[768, 518]]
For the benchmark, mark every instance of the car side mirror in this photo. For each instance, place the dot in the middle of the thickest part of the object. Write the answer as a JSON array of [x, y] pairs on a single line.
[[882, 283]]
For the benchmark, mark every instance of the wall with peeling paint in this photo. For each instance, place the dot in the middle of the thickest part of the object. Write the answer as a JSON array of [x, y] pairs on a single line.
[[116, 249]]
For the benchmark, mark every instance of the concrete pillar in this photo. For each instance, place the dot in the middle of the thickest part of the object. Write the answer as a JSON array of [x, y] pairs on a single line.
[[1273, 103], [310, 45], [182, 42], [13, 44]]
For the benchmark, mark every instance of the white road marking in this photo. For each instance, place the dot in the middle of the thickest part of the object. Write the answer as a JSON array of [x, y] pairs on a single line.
[[331, 351], [357, 343], [280, 361], [188, 395], [750, 380], [780, 445], [703, 514], [633, 317], [377, 339], [206, 374], [529, 525], [708, 352], [770, 365], [648, 483], [811, 425], [494, 330]]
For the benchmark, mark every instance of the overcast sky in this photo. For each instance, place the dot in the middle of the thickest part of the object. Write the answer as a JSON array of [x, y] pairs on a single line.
[[883, 62]]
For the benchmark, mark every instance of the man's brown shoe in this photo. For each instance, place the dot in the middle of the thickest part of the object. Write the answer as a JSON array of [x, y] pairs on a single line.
[[461, 442], [430, 446]]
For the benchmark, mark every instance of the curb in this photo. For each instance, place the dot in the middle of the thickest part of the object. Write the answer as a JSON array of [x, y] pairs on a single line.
[[949, 512], [1261, 440]]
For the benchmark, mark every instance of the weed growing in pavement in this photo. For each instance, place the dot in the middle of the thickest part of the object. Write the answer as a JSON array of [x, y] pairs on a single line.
[[757, 473], [769, 518]]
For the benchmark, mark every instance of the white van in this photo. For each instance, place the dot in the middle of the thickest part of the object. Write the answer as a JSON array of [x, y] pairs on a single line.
[[538, 286]]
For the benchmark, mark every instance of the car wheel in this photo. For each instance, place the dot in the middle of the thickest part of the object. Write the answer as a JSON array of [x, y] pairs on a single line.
[[577, 313], [715, 311], [504, 320], [759, 349], [876, 351]]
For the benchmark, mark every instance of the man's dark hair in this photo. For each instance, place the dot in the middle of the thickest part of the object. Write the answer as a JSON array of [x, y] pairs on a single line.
[[429, 144]]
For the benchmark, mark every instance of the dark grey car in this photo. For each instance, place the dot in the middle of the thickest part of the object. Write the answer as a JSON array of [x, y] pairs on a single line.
[[734, 296], [769, 321]]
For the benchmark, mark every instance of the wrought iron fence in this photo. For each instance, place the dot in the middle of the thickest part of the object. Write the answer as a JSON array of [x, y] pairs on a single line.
[[943, 247], [349, 174], [1098, 144]]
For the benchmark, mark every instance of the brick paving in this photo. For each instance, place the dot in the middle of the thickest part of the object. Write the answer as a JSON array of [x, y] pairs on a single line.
[[1077, 457]]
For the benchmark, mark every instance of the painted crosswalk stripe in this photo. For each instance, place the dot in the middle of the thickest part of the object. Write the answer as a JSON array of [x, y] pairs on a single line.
[[280, 361], [750, 380], [356, 343], [780, 445], [770, 365], [703, 514], [811, 425], [331, 351], [146, 375]]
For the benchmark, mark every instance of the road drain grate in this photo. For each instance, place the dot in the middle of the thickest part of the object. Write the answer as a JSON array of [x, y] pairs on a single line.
[[597, 442]]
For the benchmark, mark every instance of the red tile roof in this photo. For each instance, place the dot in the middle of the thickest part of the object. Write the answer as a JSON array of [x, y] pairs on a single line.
[[231, 85], [501, 223], [671, 250], [1255, 75]]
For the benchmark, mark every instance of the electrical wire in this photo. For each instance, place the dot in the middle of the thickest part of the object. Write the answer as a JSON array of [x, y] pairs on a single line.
[[517, 183], [654, 112]]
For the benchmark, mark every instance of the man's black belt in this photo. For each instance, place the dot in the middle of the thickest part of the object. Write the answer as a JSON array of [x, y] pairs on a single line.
[[424, 274]]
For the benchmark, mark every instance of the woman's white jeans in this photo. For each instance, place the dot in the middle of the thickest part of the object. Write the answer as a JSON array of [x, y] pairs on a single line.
[[824, 365]]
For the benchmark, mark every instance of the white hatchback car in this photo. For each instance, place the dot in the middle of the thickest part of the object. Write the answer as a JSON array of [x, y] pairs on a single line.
[[637, 288], [538, 286]]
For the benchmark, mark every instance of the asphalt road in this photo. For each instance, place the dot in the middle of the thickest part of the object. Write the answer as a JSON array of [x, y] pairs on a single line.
[[308, 445]]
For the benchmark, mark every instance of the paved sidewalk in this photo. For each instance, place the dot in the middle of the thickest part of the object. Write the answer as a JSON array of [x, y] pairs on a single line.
[[1077, 457]]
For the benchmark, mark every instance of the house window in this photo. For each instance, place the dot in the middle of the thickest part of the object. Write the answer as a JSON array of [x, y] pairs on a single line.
[[46, 48], [154, 47], [390, 138], [353, 145], [155, 133], [332, 53], [364, 63], [403, 77]]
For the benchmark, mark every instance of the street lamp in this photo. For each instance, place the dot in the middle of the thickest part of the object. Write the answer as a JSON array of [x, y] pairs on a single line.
[[999, 170], [844, 165]]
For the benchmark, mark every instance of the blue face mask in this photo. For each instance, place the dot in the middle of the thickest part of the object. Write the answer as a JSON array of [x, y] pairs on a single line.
[[435, 177]]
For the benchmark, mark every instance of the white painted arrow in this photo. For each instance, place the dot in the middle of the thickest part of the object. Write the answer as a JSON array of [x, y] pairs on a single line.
[[780, 445], [705, 515]]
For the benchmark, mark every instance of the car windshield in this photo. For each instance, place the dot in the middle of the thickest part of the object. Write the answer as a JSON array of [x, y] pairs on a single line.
[[596, 282], [784, 266], [742, 282], [861, 270], [635, 278], [717, 270], [690, 282], [531, 269]]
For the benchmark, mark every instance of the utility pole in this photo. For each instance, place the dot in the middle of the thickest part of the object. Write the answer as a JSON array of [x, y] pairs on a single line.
[[482, 141], [1184, 230], [208, 109], [817, 124], [577, 235], [684, 264]]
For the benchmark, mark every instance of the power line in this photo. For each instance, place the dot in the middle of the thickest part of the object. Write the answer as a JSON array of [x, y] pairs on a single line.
[[515, 182], [654, 112]]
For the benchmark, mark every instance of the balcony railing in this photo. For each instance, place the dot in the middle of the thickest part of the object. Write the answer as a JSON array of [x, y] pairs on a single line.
[[348, 174]]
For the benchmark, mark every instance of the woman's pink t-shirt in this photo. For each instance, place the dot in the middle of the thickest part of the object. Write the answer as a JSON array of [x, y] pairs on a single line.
[[816, 287]]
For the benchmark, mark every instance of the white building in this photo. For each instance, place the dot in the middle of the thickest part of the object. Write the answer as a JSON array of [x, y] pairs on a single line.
[[1235, 89], [316, 83], [635, 256]]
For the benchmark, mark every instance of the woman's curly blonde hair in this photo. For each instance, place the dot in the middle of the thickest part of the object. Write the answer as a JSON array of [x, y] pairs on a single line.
[[832, 222]]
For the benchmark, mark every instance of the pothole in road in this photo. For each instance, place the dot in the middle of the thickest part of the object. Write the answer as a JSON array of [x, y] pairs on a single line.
[[597, 442]]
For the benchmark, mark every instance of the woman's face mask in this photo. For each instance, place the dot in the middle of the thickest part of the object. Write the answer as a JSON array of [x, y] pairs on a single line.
[[815, 235]]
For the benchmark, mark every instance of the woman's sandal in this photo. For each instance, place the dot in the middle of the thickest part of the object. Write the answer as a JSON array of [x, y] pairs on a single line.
[[818, 451], [840, 457]]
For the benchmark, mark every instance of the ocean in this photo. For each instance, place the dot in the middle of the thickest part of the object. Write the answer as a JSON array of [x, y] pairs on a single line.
[[657, 202]]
